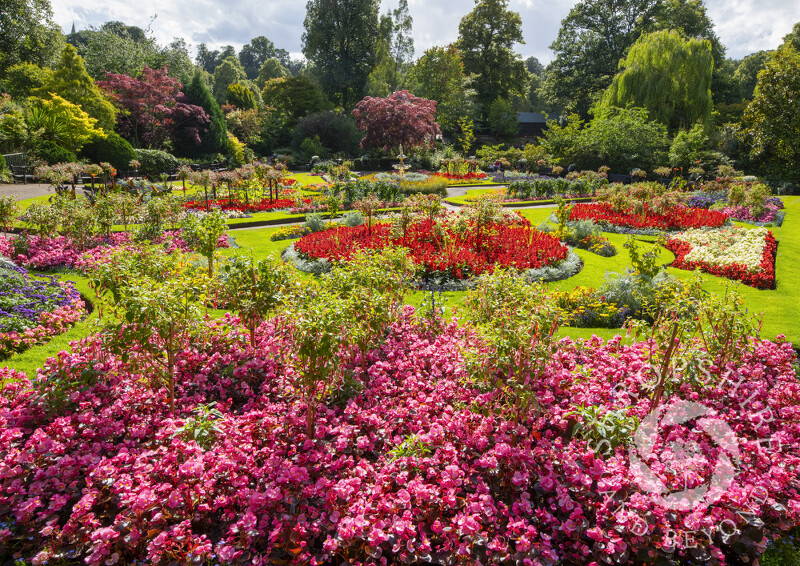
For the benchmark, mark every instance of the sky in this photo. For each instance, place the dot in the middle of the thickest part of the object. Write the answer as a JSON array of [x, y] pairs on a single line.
[[744, 26]]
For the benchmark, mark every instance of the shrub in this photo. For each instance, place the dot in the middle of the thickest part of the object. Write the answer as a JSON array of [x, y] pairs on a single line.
[[155, 162], [53, 153], [353, 218], [315, 223], [112, 149], [333, 131]]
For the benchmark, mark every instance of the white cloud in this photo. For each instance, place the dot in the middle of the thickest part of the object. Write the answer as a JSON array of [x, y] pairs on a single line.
[[744, 26]]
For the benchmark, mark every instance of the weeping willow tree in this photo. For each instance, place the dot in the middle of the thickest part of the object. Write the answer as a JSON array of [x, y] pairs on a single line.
[[669, 76]]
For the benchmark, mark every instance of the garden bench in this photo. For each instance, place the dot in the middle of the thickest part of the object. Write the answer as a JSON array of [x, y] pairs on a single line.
[[23, 173]]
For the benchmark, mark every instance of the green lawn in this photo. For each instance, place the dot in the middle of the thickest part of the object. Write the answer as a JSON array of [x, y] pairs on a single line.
[[472, 193], [778, 306]]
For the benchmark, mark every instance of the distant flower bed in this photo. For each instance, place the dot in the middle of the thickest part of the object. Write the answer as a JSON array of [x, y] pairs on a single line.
[[771, 213], [735, 253], [263, 205], [34, 308], [36, 252], [462, 179], [676, 218], [451, 253]]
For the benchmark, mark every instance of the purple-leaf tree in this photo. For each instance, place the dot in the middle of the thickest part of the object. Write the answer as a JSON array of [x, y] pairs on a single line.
[[399, 119], [154, 108]]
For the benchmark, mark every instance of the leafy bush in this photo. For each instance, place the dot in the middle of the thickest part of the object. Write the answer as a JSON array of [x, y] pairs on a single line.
[[112, 149], [155, 162], [332, 130], [5, 172], [315, 223], [53, 153], [353, 218], [359, 189]]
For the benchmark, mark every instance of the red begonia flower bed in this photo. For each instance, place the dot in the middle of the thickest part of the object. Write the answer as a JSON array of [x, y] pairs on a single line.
[[457, 254], [679, 218]]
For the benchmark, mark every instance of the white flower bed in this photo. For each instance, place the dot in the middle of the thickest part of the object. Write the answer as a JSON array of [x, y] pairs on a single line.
[[727, 246]]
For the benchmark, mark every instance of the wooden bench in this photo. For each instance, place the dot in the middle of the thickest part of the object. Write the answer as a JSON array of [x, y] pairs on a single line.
[[23, 173]]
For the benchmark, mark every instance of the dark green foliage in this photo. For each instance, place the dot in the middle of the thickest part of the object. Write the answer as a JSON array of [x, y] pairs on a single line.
[[28, 33], [113, 149], [502, 119], [216, 139], [783, 552], [227, 73], [485, 38], [623, 139], [155, 162], [53, 153], [773, 117], [592, 39], [747, 72], [341, 39], [294, 98], [337, 132]]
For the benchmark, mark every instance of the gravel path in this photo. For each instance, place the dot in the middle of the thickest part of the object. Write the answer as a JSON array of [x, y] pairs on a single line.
[[21, 192]]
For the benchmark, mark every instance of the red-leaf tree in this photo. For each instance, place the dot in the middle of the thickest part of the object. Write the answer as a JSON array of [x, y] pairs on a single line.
[[400, 118], [154, 108]]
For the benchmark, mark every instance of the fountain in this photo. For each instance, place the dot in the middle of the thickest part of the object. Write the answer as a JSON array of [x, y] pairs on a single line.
[[401, 167]]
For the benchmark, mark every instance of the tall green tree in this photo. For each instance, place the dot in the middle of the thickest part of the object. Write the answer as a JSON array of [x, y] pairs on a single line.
[[254, 54], [121, 49], [270, 69], [687, 17], [592, 39], [71, 81], [793, 37], [747, 72], [341, 40], [402, 44], [28, 33], [667, 75], [294, 98], [439, 75], [207, 59], [216, 139], [485, 39], [773, 117], [228, 72], [690, 19]]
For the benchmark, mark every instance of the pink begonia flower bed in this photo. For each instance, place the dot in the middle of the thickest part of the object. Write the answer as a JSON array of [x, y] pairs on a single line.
[[49, 324], [58, 251], [102, 476]]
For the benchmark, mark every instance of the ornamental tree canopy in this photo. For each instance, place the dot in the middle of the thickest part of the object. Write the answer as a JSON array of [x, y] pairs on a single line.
[[400, 118]]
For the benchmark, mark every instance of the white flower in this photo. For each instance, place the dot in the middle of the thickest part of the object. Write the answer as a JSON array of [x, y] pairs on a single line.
[[727, 246]]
